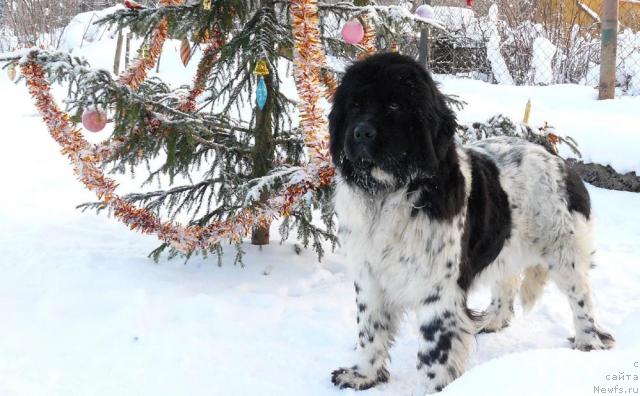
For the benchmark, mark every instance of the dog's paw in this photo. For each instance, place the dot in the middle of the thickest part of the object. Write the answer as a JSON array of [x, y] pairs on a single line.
[[607, 339], [592, 343], [352, 378], [494, 326], [598, 340]]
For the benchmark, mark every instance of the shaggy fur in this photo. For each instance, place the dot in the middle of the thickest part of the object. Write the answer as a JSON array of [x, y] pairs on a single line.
[[423, 220]]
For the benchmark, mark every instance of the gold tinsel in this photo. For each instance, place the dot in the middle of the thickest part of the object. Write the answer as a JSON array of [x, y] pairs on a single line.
[[86, 158], [369, 40]]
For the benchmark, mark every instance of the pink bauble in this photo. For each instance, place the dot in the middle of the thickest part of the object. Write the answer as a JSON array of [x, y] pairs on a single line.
[[426, 11], [94, 120], [353, 32]]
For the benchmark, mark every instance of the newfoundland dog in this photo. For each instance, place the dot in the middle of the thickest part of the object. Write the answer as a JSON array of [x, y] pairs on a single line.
[[423, 220]]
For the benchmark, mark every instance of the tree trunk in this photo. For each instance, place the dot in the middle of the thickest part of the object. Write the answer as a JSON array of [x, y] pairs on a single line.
[[263, 152]]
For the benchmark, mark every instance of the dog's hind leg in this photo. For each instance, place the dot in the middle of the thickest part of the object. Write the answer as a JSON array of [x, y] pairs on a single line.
[[535, 278], [500, 311], [569, 265]]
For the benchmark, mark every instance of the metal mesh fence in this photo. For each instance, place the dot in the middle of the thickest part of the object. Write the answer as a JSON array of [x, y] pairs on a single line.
[[535, 42]]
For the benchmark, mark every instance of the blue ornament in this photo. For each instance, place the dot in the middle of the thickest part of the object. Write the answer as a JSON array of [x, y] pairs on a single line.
[[261, 93]]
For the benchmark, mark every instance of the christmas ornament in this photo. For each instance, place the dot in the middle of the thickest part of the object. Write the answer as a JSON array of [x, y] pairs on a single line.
[[261, 70], [206, 4], [94, 120], [352, 32], [11, 72], [132, 5], [425, 11], [144, 51], [470, 3], [394, 46], [261, 93], [86, 158], [185, 51]]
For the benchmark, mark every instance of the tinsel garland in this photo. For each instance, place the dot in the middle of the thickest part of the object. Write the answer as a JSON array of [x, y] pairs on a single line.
[[137, 72], [330, 84], [86, 158], [308, 60], [86, 165], [369, 39], [188, 105]]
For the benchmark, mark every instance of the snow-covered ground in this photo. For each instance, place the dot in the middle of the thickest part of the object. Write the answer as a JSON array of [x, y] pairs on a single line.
[[84, 312]]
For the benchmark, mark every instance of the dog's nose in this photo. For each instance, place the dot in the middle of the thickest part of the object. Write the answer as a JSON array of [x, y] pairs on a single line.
[[364, 132]]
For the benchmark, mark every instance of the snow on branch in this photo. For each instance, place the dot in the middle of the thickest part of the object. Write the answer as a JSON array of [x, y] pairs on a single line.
[[592, 14]]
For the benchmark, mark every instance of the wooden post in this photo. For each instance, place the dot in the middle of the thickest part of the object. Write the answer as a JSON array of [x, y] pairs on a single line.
[[116, 60], [609, 45], [127, 48], [423, 46]]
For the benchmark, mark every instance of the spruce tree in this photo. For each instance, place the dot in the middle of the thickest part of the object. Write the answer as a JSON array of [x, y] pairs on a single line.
[[234, 153]]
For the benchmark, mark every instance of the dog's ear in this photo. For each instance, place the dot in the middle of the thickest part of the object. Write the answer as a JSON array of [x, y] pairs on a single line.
[[439, 120]]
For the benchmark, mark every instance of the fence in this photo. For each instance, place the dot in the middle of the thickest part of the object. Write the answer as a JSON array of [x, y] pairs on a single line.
[[535, 42]]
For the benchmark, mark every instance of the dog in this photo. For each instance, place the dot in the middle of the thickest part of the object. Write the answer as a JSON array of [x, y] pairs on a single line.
[[423, 220]]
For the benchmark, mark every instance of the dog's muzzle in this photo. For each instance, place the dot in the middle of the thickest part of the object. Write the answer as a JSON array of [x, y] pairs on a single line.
[[361, 142]]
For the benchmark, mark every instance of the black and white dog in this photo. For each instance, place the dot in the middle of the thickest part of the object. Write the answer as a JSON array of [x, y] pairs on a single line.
[[422, 220]]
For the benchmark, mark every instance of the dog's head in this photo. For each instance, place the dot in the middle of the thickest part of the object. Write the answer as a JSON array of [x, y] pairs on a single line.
[[389, 123]]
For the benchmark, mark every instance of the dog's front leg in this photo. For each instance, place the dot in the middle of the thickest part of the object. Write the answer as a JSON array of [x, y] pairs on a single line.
[[377, 323], [445, 338]]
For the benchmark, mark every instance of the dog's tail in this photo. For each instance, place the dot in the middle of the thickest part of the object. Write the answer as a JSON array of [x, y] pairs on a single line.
[[532, 285]]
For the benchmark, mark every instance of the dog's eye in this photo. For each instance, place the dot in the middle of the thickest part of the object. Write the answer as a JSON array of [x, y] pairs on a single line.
[[393, 106], [355, 104]]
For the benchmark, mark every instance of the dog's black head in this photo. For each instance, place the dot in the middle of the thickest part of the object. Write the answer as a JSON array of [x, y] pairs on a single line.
[[389, 123]]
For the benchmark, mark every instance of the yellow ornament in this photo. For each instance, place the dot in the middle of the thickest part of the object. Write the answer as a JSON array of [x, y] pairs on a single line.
[[261, 68], [11, 71], [144, 51], [206, 4]]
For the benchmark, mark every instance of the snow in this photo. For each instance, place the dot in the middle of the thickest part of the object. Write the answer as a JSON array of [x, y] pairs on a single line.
[[85, 312], [455, 18], [498, 64], [541, 62], [81, 29], [607, 132]]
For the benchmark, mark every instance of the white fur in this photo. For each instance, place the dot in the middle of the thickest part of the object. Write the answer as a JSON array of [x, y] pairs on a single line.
[[402, 262]]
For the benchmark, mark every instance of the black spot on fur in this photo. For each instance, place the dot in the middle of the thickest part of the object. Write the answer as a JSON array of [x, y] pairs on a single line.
[[577, 195], [362, 307], [429, 330], [488, 223], [431, 299], [581, 303]]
